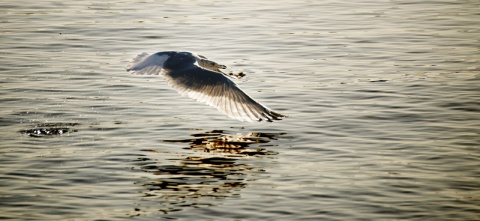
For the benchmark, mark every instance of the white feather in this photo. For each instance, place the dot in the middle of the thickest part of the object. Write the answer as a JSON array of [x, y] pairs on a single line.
[[145, 64]]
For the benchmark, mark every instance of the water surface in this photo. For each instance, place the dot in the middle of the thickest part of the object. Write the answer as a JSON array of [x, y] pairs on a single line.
[[382, 99]]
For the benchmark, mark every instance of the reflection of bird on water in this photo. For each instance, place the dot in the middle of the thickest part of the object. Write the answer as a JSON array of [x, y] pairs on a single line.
[[201, 79], [197, 180], [219, 141]]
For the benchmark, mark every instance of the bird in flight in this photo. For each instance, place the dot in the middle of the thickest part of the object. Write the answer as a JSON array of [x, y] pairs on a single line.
[[197, 77]]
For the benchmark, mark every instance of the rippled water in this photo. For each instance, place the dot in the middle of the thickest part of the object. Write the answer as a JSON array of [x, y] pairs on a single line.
[[382, 98]]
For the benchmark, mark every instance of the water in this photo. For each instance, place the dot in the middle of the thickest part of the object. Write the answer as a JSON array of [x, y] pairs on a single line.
[[382, 98]]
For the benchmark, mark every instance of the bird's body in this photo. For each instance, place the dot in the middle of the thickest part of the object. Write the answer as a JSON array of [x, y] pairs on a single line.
[[201, 79]]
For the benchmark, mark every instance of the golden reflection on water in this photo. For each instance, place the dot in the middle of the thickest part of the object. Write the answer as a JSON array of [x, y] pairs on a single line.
[[218, 141], [196, 180]]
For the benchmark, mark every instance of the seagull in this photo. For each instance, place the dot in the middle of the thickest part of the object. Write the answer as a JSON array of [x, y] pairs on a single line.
[[199, 78]]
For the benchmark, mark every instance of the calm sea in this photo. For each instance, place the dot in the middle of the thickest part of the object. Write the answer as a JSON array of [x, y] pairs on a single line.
[[382, 98]]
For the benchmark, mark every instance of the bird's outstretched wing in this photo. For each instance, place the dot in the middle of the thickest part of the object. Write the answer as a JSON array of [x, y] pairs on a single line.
[[145, 64], [212, 88], [218, 91]]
